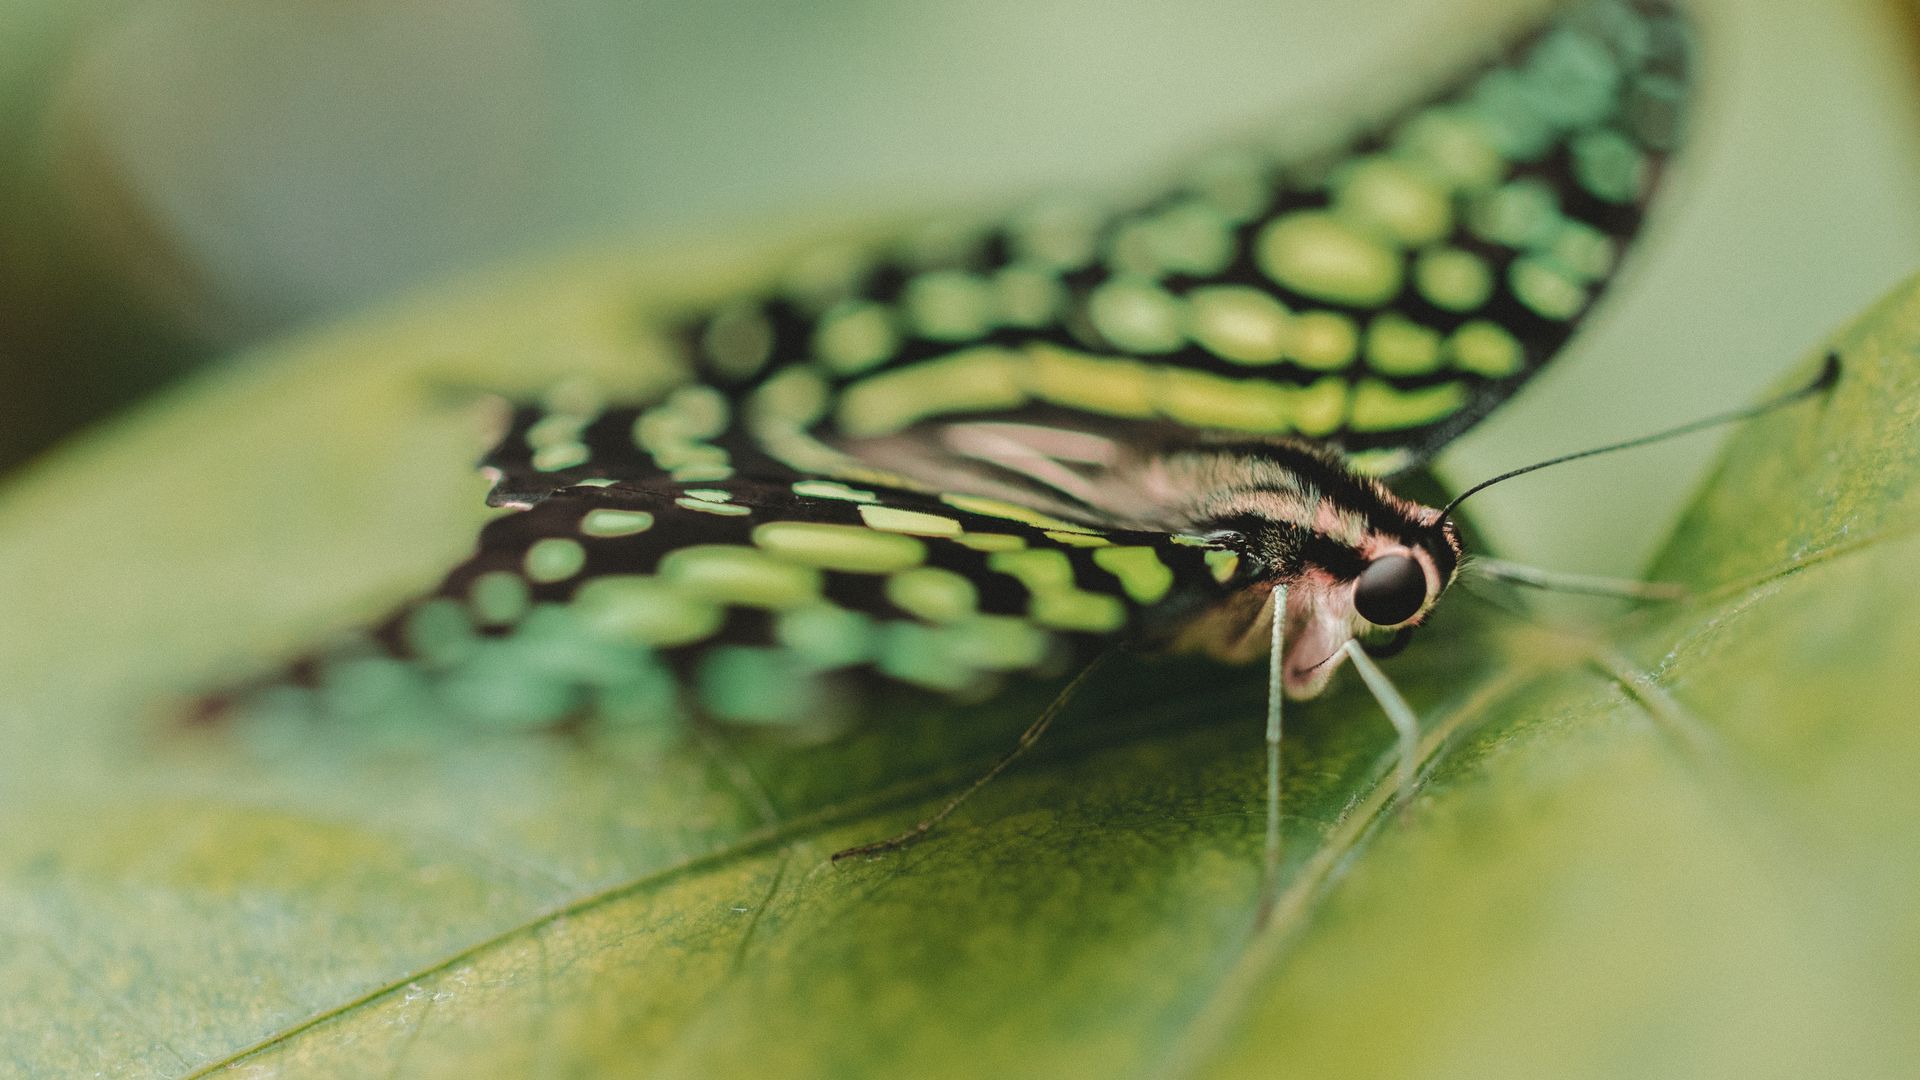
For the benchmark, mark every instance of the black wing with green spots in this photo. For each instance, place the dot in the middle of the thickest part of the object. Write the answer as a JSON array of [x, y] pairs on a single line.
[[752, 602], [739, 549], [1382, 299]]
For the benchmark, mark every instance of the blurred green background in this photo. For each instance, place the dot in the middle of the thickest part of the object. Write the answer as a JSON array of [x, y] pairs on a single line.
[[182, 179]]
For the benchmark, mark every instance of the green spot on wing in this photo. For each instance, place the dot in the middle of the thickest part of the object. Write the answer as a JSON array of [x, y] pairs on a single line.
[[723, 573], [1574, 79], [839, 547], [794, 398], [611, 523], [1105, 385], [1076, 538], [440, 631], [1322, 340], [1508, 106], [1076, 609], [645, 694], [1238, 323], [826, 636], [1454, 144], [949, 306], [970, 379], [498, 691], [982, 541], [1047, 575], [1141, 570], [702, 473], [1379, 407], [1396, 345], [1026, 296], [1485, 348], [1609, 166], [829, 489], [1223, 564], [738, 341], [997, 642], [1522, 214], [707, 506], [1189, 238], [932, 593], [745, 685], [1584, 251], [1545, 288], [646, 610], [921, 655], [373, 689], [912, 522], [855, 337], [555, 558], [1394, 200], [498, 597], [1206, 401], [1137, 317], [1321, 256], [1039, 569], [1453, 280], [560, 456]]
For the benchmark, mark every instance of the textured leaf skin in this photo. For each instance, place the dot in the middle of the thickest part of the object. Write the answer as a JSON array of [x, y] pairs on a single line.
[[1706, 874]]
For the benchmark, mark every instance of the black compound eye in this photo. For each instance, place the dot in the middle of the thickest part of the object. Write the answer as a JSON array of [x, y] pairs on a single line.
[[1390, 590]]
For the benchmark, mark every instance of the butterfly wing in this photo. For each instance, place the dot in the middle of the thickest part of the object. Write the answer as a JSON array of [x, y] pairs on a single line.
[[1381, 299], [760, 543], [751, 602]]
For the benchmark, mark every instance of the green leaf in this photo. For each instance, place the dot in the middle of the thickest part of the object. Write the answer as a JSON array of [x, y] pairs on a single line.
[[1674, 844]]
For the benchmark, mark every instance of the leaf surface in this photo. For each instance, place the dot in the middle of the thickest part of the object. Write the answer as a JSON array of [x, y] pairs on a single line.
[[1673, 844]]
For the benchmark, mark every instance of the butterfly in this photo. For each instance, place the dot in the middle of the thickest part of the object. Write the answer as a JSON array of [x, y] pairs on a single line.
[[992, 452]]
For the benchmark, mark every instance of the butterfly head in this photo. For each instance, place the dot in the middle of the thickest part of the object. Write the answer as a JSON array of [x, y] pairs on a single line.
[[1355, 561]]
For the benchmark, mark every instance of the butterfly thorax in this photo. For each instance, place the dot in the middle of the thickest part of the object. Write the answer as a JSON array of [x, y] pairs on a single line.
[[1355, 560]]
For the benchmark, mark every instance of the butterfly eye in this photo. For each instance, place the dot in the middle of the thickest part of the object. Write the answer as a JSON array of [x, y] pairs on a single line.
[[1390, 590], [1227, 538]]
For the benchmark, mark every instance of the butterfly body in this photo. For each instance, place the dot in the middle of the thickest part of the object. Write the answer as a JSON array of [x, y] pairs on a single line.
[[1301, 519], [993, 452]]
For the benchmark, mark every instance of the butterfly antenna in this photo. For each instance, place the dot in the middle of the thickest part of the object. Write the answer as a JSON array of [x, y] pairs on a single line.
[[1828, 376], [1027, 739]]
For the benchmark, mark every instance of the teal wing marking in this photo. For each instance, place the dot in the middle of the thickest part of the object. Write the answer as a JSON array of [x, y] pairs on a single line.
[[687, 436], [749, 602], [1383, 299]]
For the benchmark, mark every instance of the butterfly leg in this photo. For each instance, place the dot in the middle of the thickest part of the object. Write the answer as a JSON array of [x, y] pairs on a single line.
[[1027, 739], [1555, 581], [1401, 715], [1276, 701]]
